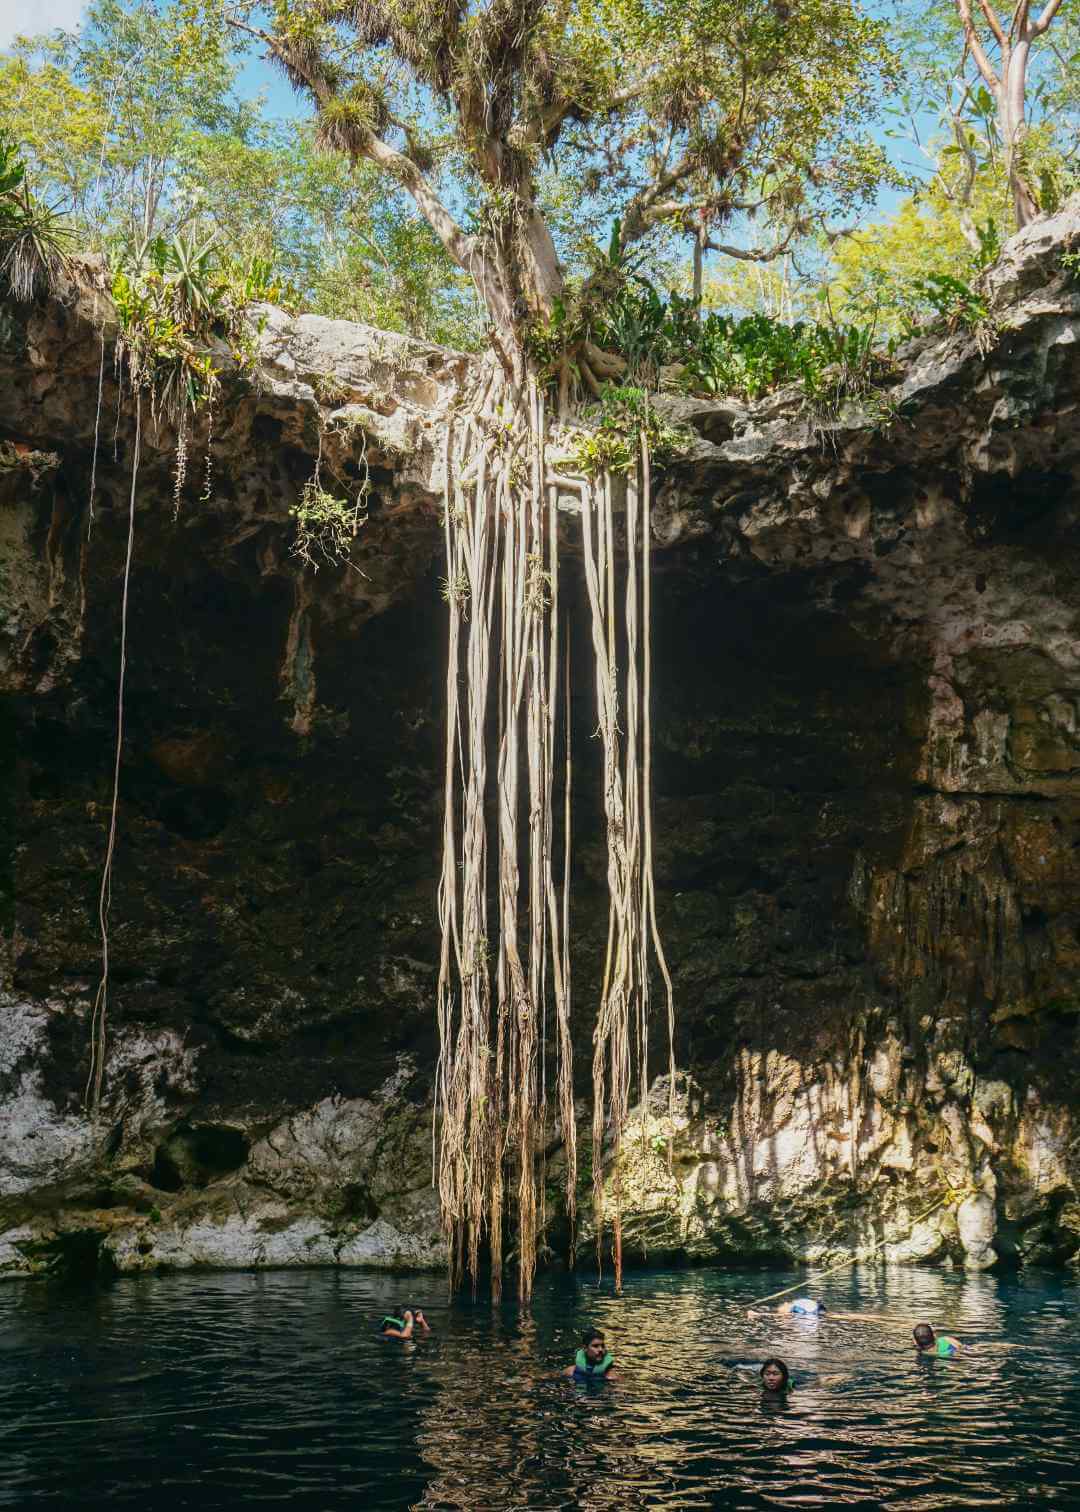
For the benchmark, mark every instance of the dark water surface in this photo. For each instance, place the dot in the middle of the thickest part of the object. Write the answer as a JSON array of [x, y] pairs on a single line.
[[219, 1391]]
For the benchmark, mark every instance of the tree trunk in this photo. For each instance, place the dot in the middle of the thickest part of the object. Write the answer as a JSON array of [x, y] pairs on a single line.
[[1012, 108], [543, 276], [1014, 91]]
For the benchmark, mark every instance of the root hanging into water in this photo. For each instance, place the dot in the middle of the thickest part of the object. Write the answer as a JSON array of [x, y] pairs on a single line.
[[92, 1095], [502, 591]]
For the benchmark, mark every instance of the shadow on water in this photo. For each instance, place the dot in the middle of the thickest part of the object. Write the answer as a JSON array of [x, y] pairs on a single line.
[[252, 1390]]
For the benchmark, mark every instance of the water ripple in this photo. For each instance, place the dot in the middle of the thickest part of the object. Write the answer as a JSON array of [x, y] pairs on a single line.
[[247, 1391]]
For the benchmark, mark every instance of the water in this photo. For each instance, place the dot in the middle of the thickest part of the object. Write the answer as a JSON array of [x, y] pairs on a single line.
[[242, 1391]]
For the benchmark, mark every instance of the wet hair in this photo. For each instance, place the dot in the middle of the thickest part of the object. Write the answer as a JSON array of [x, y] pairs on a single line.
[[923, 1335], [781, 1367], [589, 1335]]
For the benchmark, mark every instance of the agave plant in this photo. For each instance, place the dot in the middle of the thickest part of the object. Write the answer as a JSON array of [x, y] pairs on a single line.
[[35, 239], [191, 275]]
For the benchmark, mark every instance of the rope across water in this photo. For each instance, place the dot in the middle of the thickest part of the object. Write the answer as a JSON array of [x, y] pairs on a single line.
[[950, 1196]]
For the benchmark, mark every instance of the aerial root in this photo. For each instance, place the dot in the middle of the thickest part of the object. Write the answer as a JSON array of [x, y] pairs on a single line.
[[502, 588]]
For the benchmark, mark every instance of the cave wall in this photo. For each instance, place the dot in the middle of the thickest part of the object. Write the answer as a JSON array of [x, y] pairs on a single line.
[[867, 780]]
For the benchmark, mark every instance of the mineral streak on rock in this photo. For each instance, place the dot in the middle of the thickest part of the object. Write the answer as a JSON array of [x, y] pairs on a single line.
[[867, 673]]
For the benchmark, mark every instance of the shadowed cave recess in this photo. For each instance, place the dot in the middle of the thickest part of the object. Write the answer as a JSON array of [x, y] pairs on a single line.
[[867, 817]]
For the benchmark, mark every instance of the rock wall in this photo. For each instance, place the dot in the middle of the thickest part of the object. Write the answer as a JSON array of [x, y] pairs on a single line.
[[867, 670]]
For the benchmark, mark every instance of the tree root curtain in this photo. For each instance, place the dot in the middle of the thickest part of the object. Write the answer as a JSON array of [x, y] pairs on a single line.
[[506, 963]]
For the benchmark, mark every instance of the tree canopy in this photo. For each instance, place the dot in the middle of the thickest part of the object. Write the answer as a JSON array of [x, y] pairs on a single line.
[[660, 115], [135, 128], [448, 165]]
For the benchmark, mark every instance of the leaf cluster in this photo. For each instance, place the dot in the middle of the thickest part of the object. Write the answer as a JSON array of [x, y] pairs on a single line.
[[326, 526], [180, 309], [135, 126], [623, 417], [35, 239], [671, 339]]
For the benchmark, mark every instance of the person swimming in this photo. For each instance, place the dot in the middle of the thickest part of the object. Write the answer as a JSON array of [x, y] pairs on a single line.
[[775, 1377], [801, 1307], [592, 1362], [403, 1323], [941, 1346]]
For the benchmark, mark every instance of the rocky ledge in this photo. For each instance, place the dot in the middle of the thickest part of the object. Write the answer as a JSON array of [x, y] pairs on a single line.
[[867, 650]]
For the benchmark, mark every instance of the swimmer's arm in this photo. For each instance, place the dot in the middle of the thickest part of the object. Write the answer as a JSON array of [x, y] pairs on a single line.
[[421, 1323]]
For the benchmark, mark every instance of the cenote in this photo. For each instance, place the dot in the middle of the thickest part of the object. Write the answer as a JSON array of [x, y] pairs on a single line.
[[539, 729], [227, 1390]]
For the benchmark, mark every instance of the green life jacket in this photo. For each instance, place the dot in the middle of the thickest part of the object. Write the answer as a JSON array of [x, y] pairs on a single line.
[[582, 1364], [945, 1348], [397, 1323]]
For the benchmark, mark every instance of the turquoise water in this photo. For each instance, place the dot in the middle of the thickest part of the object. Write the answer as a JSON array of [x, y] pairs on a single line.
[[217, 1391]]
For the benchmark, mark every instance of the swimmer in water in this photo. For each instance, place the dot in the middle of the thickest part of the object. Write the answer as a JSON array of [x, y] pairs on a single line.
[[593, 1362], [404, 1323], [941, 1346], [775, 1379], [802, 1307]]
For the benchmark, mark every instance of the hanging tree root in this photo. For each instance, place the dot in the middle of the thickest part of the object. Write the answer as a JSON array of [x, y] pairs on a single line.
[[502, 590], [99, 1016]]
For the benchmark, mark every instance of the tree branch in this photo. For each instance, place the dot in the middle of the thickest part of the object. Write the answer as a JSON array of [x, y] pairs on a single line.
[[978, 52], [1049, 12], [640, 214], [994, 24], [303, 70], [758, 254]]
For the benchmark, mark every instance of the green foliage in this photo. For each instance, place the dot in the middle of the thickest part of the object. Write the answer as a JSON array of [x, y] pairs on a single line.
[[326, 526], [455, 591], [965, 160], [952, 300], [35, 238], [136, 126], [1070, 265], [752, 355], [885, 270], [181, 311], [715, 354], [659, 115], [623, 416]]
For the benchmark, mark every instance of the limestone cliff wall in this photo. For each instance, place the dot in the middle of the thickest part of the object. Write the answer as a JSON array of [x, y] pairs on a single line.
[[868, 809]]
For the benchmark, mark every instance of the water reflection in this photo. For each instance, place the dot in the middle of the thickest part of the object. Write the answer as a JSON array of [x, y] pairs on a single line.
[[869, 1420], [243, 1391]]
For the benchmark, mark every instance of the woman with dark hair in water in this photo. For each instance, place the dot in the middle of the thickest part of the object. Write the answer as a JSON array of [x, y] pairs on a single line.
[[775, 1379]]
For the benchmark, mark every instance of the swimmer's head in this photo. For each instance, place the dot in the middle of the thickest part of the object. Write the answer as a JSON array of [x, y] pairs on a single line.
[[774, 1375], [592, 1342], [923, 1335]]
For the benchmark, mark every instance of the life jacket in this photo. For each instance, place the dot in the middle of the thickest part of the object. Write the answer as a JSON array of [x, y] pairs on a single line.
[[398, 1323], [807, 1307], [583, 1368], [945, 1348]]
